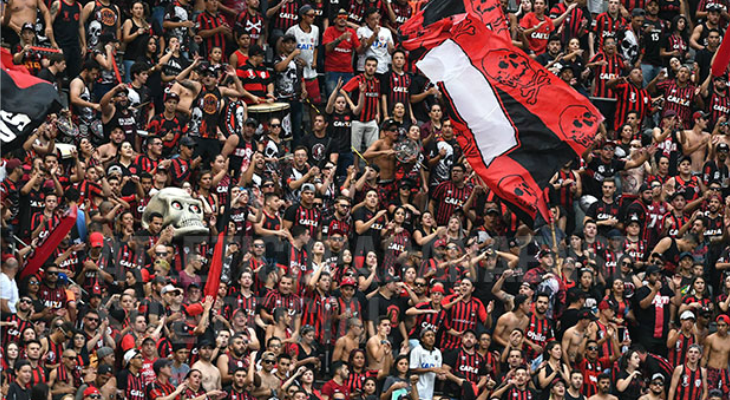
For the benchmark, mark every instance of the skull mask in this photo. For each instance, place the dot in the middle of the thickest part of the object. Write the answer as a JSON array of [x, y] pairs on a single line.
[[94, 32], [195, 120], [178, 209]]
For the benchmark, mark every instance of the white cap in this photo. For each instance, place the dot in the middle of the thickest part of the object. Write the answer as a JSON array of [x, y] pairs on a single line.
[[168, 288], [129, 355], [687, 315]]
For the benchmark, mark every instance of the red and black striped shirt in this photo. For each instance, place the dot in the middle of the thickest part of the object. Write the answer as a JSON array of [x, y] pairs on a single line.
[[73, 377], [251, 23], [462, 316], [573, 23], [630, 98], [603, 73], [158, 389], [691, 382], [54, 352], [12, 334], [678, 98], [678, 352], [449, 198], [207, 22], [131, 385], [718, 106], [356, 12], [539, 331], [428, 320], [143, 161], [37, 375], [397, 88], [275, 299], [372, 95], [605, 25], [286, 17]]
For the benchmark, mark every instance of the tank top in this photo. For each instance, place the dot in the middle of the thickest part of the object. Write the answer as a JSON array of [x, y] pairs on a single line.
[[137, 47], [125, 119], [678, 352], [242, 155], [103, 20], [206, 112], [66, 25], [690, 384], [233, 112]]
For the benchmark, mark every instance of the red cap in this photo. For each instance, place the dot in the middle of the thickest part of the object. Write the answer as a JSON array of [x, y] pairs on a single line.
[[348, 281], [7, 256], [11, 164], [438, 289], [723, 317], [96, 239], [91, 390], [605, 305]]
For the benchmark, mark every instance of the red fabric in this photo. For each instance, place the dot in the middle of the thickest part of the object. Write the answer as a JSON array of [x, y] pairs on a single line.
[[216, 265], [719, 66], [48, 246]]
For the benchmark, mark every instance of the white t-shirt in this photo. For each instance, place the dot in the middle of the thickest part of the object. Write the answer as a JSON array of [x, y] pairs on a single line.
[[422, 358], [9, 292], [306, 43], [379, 48]]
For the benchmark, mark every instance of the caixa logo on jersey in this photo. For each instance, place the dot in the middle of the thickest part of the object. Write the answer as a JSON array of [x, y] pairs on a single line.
[[12, 126]]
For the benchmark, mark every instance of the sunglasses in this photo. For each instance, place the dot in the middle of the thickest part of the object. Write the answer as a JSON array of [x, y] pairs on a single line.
[[318, 204], [95, 396], [592, 348], [34, 283], [52, 273], [658, 383], [268, 185], [92, 319], [337, 239], [161, 254], [420, 284], [26, 301], [275, 125], [267, 361], [259, 246], [452, 248], [626, 263]]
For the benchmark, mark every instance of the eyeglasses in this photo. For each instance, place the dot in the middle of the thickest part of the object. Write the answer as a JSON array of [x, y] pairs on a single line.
[[92, 319], [161, 254], [337, 239], [275, 125], [259, 246], [26, 301], [594, 348], [276, 346], [34, 283], [52, 273]]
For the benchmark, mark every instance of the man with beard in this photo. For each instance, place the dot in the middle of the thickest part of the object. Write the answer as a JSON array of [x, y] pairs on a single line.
[[270, 383], [234, 359], [338, 383], [304, 213], [211, 374], [604, 387], [298, 174], [630, 96], [164, 130], [679, 94], [53, 295], [689, 381], [516, 387], [465, 362], [18, 321], [33, 355], [129, 380], [282, 297], [638, 210], [675, 219], [116, 112], [655, 310], [93, 275], [98, 334], [704, 59], [606, 165], [242, 378], [575, 386], [53, 344], [66, 378], [656, 388], [540, 329], [429, 314], [715, 358]]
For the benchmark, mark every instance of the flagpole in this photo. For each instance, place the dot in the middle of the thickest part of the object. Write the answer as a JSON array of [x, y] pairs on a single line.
[[558, 263]]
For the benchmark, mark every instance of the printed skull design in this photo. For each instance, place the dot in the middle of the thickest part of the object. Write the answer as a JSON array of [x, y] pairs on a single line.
[[178, 209], [526, 196], [94, 32], [514, 70], [491, 14], [579, 124], [196, 119]]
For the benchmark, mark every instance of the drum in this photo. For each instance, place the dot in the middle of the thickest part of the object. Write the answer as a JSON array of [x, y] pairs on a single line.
[[265, 111]]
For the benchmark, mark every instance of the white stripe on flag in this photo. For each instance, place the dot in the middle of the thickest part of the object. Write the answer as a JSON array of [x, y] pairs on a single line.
[[473, 98]]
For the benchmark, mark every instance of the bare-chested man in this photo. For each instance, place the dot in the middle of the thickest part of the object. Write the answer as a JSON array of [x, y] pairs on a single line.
[[345, 344], [696, 140], [381, 151], [108, 152], [379, 348], [517, 318], [19, 12], [211, 374], [604, 387], [269, 381], [717, 349], [574, 337]]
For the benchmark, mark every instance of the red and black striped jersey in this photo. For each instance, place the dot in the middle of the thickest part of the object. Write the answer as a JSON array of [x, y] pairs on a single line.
[[286, 17], [691, 384], [143, 161], [690, 187], [462, 316], [629, 5], [40, 218], [53, 354], [233, 394], [470, 366], [158, 389], [12, 334], [678, 352], [356, 12], [333, 224], [519, 394], [131, 385], [253, 23], [677, 223], [208, 21], [180, 171], [637, 250], [37, 375], [402, 13], [630, 98], [427, 321], [397, 244], [605, 25], [355, 381], [274, 299], [53, 298], [294, 262], [88, 190], [572, 26], [678, 98], [539, 331], [307, 217], [317, 312], [605, 349], [590, 371], [718, 106], [449, 198], [352, 306], [161, 126], [372, 95], [603, 73], [396, 87], [565, 196]]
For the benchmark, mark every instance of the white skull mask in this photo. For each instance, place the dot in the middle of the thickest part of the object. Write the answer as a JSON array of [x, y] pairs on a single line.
[[178, 209], [94, 32]]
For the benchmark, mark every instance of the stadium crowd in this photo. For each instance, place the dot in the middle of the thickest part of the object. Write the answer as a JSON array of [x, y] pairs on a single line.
[[364, 259]]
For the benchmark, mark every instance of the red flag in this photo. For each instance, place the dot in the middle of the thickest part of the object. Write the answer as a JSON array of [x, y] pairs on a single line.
[[26, 100], [216, 267], [46, 248], [722, 59], [516, 122]]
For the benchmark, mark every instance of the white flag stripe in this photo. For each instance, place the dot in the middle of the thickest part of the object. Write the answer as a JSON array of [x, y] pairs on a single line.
[[473, 98]]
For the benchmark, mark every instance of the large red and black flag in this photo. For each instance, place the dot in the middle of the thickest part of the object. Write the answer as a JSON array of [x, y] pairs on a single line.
[[25, 102], [516, 122]]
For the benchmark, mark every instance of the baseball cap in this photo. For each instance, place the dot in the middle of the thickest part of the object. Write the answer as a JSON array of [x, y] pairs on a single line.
[[652, 269], [28, 26], [307, 186], [389, 124], [172, 96], [608, 144], [96, 239], [723, 317], [347, 281], [687, 314], [12, 164], [713, 7], [614, 233], [342, 11], [686, 254], [723, 147], [129, 355], [586, 314], [493, 211], [90, 390], [658, 376], [252, 121], [168, 289], [103, 352], [205, 343], [188, 142], [669, 113], [104, 369], [606, 305], [700, 114]]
